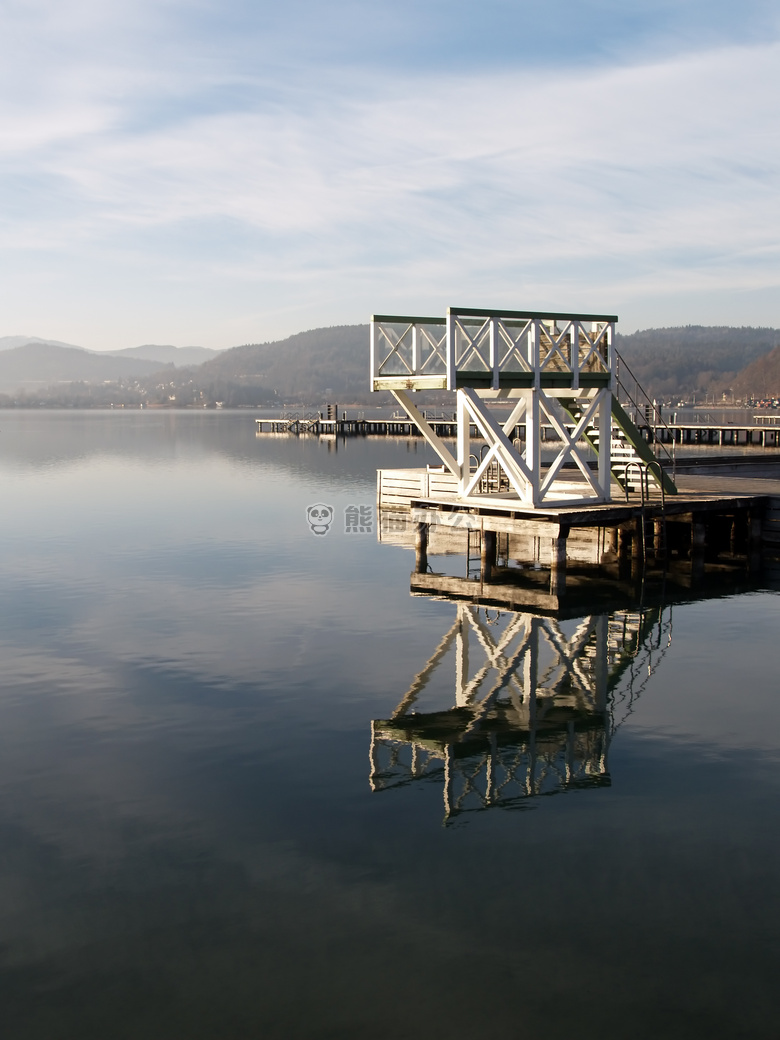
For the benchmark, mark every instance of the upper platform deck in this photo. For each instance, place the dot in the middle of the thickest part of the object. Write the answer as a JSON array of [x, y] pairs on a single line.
[[492, 350]]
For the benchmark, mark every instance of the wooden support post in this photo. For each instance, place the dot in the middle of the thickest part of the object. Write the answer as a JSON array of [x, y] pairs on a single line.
[[698, 545], [623, 542], [637, 542], [421, 548], [659, 546], [755, 528], [558, 562], [637, 567], [698, 535], [624, 552], [755, 532], [488, 554]]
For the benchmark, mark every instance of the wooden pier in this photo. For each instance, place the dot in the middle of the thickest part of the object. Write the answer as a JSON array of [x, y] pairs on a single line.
[[730, 435], [747, 435], [518, 376], [523, 377], [713, 521], [395, 426]]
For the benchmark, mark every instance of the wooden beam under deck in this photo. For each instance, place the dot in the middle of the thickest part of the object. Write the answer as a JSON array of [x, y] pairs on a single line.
[[697, 494], [545, 521], [720, 512]]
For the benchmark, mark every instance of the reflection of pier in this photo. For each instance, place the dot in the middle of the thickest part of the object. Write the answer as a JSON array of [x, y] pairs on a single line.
[[497, 561], [536, 702]]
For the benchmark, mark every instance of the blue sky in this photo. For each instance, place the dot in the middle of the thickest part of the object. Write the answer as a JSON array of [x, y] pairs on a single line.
[[223, 173]]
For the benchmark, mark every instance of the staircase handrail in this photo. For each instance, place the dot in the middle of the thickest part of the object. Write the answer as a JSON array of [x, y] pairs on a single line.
[[645, 399], [643, 481], [649, 467]]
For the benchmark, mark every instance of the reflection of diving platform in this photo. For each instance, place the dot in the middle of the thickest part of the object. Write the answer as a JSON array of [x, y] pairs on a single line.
[[536, 702], [525, 691]]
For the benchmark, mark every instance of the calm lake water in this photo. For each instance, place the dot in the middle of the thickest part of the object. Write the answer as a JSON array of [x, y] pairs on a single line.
[[211, 823]]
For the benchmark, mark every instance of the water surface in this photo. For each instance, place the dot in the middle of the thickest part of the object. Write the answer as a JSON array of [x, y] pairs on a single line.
[[197, 840]]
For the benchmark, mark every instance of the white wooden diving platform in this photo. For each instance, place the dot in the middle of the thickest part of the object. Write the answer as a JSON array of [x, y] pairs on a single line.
[[556, 371]]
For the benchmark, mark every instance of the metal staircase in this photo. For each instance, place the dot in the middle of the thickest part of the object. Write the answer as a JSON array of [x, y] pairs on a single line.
[[641, 431], [640, 462], [624, 463]]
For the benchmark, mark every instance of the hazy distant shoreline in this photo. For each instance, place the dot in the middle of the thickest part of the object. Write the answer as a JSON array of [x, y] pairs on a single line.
[[693, 364]]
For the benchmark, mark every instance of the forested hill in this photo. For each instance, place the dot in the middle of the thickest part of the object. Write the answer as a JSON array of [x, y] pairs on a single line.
[[304, 365], [673, 361], [694, 358], [762, 378], [333, 364]]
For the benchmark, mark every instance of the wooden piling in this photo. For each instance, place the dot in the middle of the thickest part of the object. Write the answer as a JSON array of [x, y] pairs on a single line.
[[659, 541], [698, 534], [558, 561], [421, 548], [488, 554]]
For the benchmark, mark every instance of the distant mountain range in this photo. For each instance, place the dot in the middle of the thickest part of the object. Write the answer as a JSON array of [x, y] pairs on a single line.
[[31, 362], [37, 365], [332, 364], [167, 355], [11, 342]]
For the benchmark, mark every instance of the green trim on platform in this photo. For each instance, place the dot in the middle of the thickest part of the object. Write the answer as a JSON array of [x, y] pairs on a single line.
[[483, 380], [590, 380], [479, 312], [403, 319], [516, 380]]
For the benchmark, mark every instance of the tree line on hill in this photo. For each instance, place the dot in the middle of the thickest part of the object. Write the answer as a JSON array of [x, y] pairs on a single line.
[[698, 359], [333, 364]]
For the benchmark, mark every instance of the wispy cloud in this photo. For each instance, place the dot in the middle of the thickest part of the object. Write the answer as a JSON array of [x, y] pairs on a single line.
[[323, 192]]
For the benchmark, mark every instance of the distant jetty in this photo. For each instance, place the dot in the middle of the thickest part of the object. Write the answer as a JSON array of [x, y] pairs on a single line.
[[762, 432]]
